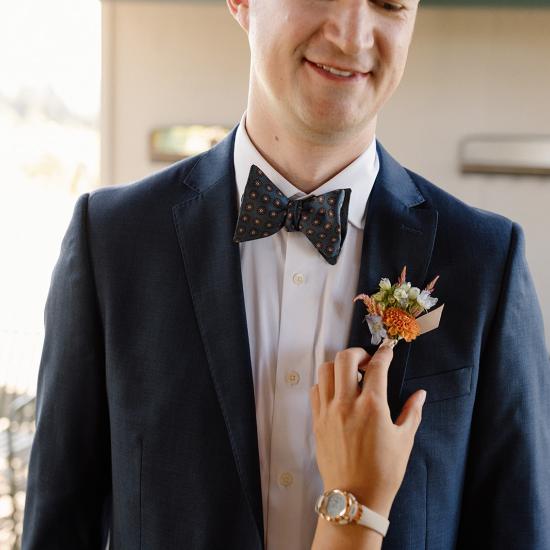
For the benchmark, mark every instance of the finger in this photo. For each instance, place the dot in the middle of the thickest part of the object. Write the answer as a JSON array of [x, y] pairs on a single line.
[[363, 364], [346, 365], [326, 383], [315, 401], [376, 376], [365, 360], [411, 413]]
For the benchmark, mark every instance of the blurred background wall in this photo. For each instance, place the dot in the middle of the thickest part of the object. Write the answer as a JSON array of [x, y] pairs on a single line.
[[470, 70]]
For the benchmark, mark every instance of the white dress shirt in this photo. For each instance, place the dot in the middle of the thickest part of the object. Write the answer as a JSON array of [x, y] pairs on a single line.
[[298, 310]]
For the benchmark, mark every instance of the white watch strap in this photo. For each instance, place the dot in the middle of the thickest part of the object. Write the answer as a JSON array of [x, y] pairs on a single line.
[[372, 519]]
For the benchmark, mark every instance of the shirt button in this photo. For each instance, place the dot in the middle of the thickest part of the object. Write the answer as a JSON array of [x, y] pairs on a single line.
[[292, 377], [286, 479], [298, 278]]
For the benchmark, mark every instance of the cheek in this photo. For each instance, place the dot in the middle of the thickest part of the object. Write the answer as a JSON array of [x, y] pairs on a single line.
[[393, 49], [278, 34], [265, 54]]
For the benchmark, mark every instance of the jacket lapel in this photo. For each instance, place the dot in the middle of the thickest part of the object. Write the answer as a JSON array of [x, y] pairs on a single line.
[[400, 230], [213, 268]]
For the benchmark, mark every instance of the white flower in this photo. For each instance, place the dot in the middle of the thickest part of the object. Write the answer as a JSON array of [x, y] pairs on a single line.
[[385, 284], [413, 293], [401, 295], [425, 300], [376, 328]]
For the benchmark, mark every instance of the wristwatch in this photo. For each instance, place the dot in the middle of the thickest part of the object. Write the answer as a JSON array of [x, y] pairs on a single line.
[[341, 507]]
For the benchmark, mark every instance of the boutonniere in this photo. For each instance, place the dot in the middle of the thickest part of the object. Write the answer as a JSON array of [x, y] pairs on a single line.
[[395, 311]]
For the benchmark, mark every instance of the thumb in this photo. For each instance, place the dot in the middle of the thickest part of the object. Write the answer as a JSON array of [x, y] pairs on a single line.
[[411, 413]]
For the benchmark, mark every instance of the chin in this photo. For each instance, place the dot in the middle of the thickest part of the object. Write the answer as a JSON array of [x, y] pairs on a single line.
[[332, 121]]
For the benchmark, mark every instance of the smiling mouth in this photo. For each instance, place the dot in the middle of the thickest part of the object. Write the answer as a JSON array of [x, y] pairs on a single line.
[[335, 74]]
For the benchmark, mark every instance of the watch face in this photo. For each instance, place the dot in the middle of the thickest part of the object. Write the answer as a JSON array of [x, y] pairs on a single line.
[[336, 504]]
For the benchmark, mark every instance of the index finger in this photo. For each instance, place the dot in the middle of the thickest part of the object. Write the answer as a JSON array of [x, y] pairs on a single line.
[[346, 365], [376, 375]]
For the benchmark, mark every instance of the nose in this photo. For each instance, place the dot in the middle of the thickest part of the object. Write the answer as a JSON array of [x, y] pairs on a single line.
[[351, 26]]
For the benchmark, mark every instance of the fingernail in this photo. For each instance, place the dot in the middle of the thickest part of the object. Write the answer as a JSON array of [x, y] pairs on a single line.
[[423, 397]]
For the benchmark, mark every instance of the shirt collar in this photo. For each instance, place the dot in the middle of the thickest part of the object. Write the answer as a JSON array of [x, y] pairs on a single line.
[[359, 175]]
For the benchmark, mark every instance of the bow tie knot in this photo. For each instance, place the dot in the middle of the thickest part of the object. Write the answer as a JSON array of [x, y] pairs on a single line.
[[265, 210], [293, 215]]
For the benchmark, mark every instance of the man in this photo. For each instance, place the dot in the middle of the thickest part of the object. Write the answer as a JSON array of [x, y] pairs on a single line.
[[180, 345]]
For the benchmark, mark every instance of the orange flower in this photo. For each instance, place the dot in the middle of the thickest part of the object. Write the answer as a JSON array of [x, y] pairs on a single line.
[[400, 323]]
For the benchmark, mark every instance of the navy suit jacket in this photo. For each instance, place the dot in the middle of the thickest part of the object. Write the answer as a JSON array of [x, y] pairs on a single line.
[[145, 419]]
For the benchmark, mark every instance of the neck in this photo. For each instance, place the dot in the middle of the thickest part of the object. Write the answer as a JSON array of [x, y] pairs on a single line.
[[307, 160]]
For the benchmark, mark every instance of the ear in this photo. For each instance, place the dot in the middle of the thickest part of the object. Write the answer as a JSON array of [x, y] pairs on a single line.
[[239, 10]]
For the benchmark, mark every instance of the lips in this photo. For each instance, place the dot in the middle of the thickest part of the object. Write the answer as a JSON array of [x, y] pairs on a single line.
[[338, 68], [354, 78]]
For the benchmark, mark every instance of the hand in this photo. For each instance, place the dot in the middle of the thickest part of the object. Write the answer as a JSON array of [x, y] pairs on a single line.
[[358, 447]]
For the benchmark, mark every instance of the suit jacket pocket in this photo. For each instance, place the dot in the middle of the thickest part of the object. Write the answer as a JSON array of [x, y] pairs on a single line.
[[441, 385]]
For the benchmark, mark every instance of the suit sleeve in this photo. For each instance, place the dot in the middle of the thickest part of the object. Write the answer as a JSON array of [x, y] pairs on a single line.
[[69, 481], [506, 498]]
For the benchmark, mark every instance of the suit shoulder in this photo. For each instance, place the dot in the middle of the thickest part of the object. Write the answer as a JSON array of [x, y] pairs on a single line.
[[136, 198], [468, 220]]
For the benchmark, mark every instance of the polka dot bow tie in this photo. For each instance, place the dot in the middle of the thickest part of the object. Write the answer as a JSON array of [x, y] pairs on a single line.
[[265, 210]]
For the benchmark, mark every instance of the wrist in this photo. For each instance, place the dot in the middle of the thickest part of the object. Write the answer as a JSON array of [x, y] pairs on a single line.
[[380, 506], [341, 506]]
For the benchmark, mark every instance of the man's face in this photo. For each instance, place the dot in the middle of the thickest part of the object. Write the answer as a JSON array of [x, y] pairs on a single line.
[[287, 37]]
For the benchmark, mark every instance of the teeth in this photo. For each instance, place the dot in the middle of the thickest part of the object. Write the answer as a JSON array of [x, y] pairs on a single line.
[[333, 70]]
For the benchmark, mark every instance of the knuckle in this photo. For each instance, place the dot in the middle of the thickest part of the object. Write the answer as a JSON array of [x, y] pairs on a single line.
[[342, 407], [340, 355], [355, 351], [379, 362], [372, 399], [385, 352], [349, 354]]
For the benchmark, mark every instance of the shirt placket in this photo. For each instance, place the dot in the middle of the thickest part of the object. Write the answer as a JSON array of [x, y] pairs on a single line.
[[290, 440]]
